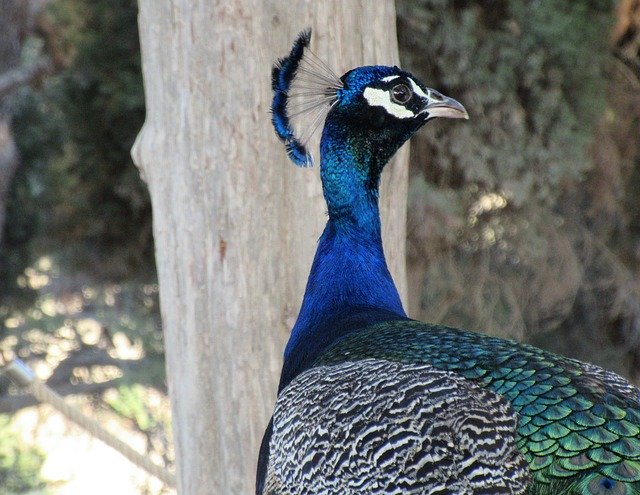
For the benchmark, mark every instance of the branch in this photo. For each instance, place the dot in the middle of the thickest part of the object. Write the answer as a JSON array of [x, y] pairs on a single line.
[[59, 381], [88, 357], [10, 404]]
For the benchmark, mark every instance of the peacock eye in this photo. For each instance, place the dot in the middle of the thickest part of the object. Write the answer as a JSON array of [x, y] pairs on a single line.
[[401, 93]]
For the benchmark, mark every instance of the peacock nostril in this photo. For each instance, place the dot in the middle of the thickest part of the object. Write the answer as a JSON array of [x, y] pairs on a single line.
[[436, 96]]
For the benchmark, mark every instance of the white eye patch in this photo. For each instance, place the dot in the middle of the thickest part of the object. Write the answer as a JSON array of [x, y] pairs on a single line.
[[417, 89], [389, 78], [382, 98]]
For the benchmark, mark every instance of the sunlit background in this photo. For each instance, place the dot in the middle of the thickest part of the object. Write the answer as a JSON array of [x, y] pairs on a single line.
[[524, 223]]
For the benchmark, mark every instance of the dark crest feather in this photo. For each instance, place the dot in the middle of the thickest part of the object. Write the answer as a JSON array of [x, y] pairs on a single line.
[[282, 75]]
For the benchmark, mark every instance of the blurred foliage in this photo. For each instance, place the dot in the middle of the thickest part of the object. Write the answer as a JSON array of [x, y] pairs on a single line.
[[140, 405], [99, 331], [129, 404], [19, 465], [77, 193], [96, 339], [520, 69], [78, 291], [520, 224]]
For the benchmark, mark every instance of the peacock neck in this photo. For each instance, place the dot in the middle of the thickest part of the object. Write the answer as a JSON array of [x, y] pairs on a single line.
[[349, 283]]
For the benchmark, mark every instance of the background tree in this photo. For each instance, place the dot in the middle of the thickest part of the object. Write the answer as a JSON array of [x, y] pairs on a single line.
[[77, 204], [18, 20], [84, 197], [77, 276], [235, 223]]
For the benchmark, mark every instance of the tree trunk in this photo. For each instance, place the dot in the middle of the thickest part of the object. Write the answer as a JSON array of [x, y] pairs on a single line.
[[236, 223]]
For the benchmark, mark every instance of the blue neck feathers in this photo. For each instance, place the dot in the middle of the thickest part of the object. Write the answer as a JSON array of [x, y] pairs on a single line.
[[349, 285]]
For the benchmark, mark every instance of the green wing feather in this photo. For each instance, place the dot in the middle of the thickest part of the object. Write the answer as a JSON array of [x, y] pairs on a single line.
[[579, 425]]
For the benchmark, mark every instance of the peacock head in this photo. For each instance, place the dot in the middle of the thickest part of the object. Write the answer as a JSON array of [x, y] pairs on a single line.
[[383, 106], [391, 96], [375, 108]]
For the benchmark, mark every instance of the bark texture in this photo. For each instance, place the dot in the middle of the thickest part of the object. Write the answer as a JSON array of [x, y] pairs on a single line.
[[235, 223]]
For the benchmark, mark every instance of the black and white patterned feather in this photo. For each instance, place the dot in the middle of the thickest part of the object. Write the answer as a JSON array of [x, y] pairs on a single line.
[[381, 427]]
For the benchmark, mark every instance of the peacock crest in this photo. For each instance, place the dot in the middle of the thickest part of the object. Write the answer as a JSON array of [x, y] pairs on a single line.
[[304, 90]]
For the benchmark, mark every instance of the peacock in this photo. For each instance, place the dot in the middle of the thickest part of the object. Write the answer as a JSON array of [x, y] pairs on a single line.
[[373, 402]]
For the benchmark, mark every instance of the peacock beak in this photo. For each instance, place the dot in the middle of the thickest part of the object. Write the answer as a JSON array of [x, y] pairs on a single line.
[[443, 106]]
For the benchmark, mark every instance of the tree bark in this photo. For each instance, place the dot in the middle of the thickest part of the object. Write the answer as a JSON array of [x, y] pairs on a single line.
[[235, 223]]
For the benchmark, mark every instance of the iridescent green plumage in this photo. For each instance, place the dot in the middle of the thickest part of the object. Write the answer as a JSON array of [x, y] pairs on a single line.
[[579, 425]]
